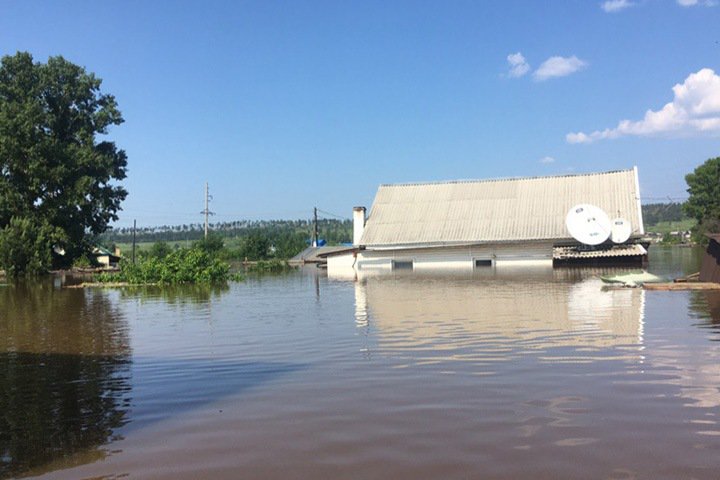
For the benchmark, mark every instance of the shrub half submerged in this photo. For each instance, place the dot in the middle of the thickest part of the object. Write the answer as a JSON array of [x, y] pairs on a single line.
[[185, 265]]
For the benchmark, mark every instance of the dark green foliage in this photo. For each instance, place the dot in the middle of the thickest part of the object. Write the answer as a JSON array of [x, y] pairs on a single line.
[[255, 246], [288, 237], [654, 213], [26, 246], [186, 265], [85, 261], [670, 239], [160, 250], [212, 244], [289, 245], [52, 168], [703, 204]]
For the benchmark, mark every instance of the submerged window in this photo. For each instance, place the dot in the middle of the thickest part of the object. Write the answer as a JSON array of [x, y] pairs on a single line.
[[483, 262], [402, 264]]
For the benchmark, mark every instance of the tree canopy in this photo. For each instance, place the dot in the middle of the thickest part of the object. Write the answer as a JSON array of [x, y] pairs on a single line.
[[654, 213], [703, 204], [54, 172]]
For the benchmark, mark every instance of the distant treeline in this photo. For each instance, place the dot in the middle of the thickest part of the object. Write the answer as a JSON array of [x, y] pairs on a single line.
[[654, 213], [290, 236]]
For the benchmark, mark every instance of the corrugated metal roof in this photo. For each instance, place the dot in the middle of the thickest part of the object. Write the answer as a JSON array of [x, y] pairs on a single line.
[[564, 253], [318, 254], [495, 210]]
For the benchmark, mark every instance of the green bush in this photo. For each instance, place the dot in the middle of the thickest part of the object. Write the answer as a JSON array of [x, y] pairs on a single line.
[[85, 261], [212, 244], [255, 246], [26, 246], [180, 266], [160, 250]]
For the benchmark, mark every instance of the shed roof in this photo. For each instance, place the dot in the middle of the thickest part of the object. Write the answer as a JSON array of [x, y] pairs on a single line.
[[100, 250], [507, 210]]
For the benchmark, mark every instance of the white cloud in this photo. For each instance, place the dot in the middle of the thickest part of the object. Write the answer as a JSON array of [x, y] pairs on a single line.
[[611, 6], [547, 160], [695, 109], [558, 67], [518, 65]]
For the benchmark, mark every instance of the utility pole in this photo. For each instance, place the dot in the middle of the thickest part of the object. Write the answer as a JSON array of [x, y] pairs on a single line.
[[133, 249], [315, 228], [207, 211]]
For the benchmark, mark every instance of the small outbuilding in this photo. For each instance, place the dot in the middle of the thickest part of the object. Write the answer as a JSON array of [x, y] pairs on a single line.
[[710, 269], [488, 224], [105, 257]]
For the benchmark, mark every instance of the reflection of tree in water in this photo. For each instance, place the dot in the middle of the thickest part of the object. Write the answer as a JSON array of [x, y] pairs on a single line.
[[64, 374], [179, 295]]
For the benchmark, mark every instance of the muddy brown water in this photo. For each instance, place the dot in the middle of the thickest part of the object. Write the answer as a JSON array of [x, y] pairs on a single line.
[[537, 376]]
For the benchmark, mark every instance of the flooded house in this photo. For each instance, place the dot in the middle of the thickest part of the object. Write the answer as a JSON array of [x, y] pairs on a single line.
[[489, 225]]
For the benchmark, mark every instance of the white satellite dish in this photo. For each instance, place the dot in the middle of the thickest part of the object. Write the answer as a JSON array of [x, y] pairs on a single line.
[[620, 230], [588, 224]]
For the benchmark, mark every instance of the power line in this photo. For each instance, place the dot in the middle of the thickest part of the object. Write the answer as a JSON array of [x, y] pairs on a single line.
[[672, 199], [334, 215]]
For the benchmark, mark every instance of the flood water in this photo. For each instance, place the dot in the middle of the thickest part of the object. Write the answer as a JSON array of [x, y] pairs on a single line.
[[541, 376]]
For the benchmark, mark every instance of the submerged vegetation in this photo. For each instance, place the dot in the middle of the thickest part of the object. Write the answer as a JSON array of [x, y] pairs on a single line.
[[269, 266], [185, 265], [204, 263]]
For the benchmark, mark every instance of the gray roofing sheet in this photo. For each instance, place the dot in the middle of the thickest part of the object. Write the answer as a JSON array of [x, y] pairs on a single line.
[[562, 253], [495, 210], [316, 254]]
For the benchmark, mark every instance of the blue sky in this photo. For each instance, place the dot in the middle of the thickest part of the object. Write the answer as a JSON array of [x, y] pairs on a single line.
[[282, 106]]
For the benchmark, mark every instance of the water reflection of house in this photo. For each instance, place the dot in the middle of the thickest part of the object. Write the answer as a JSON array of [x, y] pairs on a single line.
[[540, 313], [490, 224]]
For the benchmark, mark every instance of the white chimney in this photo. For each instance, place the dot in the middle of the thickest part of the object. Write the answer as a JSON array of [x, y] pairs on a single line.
[[358, 224]]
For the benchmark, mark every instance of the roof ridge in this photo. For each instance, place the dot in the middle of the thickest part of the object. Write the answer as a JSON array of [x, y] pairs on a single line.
[[490, 180]]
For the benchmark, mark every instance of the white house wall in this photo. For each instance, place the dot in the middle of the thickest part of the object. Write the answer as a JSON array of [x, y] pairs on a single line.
[[458, 258], [342, 260]]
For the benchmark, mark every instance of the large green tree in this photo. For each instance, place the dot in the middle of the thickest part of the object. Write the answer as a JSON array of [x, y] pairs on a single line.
[[703, 204], [54, 171]]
